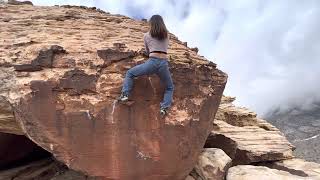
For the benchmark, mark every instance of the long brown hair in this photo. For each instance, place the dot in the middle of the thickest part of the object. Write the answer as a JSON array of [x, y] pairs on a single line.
[[157, 27]]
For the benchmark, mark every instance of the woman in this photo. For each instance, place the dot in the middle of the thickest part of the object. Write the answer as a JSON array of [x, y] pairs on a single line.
[[156, 43]]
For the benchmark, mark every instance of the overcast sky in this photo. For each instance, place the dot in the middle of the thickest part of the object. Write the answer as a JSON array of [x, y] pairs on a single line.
[[270, 49]]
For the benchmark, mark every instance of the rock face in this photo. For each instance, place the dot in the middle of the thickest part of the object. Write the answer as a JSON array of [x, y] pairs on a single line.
[[298, 167], [61, 70], [16, 2], [246, 138], [212, 165], [247, 172]]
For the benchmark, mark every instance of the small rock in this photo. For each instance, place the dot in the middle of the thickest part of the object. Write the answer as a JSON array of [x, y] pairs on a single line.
[[77, 82], [26, 68], [119, 45], [212, 164], [43, 60], [111, 55]]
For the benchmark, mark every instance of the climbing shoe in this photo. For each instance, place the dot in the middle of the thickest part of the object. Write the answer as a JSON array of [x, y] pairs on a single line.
[[123, 98], [163, 112]]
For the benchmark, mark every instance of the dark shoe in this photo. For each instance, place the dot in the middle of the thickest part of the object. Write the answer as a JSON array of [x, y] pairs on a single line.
[[163, 111], [123, 98]]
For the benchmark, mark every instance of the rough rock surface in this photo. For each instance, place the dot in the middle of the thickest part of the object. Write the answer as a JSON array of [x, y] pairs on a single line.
[[246, 138], [61, 70], [212, 165], [247, 172], [298, 167], [7, 121]]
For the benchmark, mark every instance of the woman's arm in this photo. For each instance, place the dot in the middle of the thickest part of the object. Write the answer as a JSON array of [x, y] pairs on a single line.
[[146, 44]]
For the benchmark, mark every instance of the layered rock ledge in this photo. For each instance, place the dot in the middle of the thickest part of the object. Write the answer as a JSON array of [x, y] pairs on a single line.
[[260, 148], [61, 69], [245, 137]]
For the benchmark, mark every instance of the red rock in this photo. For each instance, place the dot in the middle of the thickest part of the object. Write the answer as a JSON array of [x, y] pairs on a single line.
[[70, 110], [44, 60]]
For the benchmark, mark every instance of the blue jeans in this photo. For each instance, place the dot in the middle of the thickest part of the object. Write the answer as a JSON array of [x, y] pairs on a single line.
[[152, 66]]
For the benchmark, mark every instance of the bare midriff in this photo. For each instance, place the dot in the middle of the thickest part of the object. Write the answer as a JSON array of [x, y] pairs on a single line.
[[158, 55]]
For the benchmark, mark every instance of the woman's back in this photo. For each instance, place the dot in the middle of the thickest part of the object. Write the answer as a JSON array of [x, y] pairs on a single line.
[[154, 44]]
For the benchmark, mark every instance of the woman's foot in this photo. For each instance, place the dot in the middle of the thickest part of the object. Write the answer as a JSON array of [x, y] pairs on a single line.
[[123, 97], [163, 111]]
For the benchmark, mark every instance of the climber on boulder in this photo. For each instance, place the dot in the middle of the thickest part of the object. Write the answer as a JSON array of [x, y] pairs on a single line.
[[156, 43]]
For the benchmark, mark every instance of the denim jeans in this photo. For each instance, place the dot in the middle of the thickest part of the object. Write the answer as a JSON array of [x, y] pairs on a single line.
[[151, 66]]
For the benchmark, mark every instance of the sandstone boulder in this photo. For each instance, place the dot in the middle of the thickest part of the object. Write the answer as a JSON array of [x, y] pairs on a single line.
[[62, 70], [212, 165], [247, 172], [298, 167], [246, 138], [240, 116]]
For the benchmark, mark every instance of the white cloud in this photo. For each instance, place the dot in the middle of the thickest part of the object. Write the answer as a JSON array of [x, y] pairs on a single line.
[[270, 49], [272, 55]]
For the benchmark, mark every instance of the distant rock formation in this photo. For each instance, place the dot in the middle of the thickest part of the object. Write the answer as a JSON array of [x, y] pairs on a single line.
[[15, 2], [302, 127], [61, 71]]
